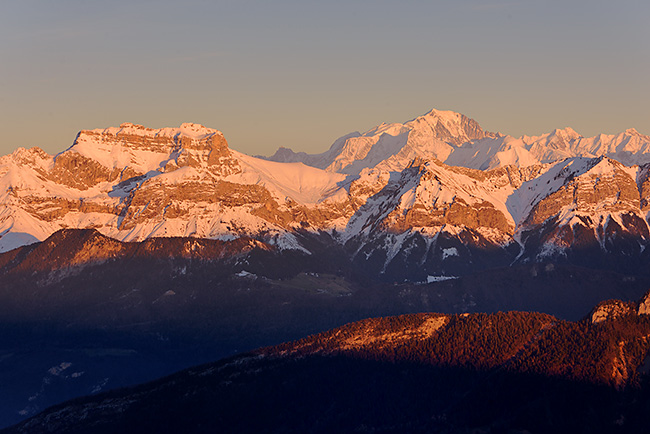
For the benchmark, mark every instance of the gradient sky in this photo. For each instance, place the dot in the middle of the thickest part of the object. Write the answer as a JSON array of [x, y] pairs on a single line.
[[302, 73]]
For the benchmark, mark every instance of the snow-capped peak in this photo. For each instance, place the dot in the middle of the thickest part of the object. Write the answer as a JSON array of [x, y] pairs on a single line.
[[392, 146], [445, 116], [566, 133], [633, 132]]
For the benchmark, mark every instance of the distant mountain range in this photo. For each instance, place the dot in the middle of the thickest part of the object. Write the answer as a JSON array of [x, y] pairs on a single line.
[[408, 201], [504, 372], [457, 140]]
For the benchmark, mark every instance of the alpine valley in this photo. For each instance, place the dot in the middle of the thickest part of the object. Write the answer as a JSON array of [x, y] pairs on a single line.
[[137, 252]]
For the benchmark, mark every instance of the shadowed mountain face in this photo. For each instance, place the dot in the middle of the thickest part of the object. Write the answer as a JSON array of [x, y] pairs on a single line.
[[84, 313], [412, 373]]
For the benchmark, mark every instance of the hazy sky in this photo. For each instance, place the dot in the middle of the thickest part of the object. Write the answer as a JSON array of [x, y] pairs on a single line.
[[302, 73]]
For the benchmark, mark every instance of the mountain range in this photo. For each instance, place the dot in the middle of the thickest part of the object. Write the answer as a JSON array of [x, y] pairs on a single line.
[[437, 192], [457, 140], [137, 252]]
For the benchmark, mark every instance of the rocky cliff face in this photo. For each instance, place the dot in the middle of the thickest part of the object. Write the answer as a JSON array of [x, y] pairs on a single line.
[[596, 203], [133, 183], [120, 154]]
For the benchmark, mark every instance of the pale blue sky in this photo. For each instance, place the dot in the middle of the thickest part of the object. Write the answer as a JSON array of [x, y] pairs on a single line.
[[302, 73]]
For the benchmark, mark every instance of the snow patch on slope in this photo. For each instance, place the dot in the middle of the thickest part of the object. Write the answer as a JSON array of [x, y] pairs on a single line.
[[302, 183]]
